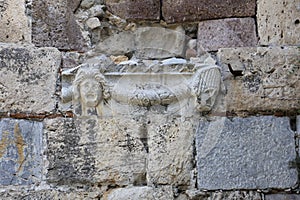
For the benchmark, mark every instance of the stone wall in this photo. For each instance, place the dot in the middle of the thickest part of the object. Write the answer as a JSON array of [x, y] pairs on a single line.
[[157, 99]]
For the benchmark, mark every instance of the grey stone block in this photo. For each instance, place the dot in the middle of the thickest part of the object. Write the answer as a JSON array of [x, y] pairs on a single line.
[[224, 33], [20, 152], [282, 197], [245, 153]]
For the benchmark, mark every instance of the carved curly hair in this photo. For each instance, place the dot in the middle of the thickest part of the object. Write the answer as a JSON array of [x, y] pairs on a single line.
[[89, 73]]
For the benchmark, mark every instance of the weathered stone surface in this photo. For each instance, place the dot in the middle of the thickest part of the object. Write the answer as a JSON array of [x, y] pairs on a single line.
[[20, 152], [270, 78], [278, 22], [14, 23], [137, 193], [194, 10], [158, 42], [282, 197], [224, 195], [121, 43], [54, 25], [224, 33], [146, 42], [49, 194], [170, 141], [298, 124], [29, 78], [245, 153], [90, 150], [135, 9]]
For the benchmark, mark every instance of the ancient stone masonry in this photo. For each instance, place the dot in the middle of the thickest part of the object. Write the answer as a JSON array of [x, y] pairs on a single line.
[[157, 99]]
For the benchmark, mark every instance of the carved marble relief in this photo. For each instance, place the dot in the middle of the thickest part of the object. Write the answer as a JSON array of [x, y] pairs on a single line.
[[93, 91], [142, 115]]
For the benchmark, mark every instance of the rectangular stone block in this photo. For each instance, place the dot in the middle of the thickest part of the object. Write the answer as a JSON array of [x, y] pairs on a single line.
[[145, 192], [278, 22], [15, 25], [282, 197], [170, 141], [20, 152], [245, 153], [54, 25], [135, 9], [28, 78], [269, 81], [175, 11], [91, 150], [159, 42], [225, 33]]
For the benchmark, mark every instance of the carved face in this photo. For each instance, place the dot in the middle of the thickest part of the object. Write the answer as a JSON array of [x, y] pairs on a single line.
[[90, 92]]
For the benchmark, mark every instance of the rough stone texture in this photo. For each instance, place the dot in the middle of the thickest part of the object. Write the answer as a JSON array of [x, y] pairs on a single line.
[[282, 197], [157, 42], [54, 25], [224, 195], [49, 194], [170, 150], [270, 80], [146, 42], [90, 150], [135, 9], [121, 43], [298, 124], [225, 33], [245, 153], [20, 152], [28, 78], [193, 10], [14, 23], [279, 25], [137, 193]]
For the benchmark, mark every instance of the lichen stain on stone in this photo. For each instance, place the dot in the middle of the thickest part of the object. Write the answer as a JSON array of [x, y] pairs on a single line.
[[3, 143], [19, 141]]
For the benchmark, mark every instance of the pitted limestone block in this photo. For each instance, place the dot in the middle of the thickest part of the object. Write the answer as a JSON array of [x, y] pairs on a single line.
[[176, 11], [282, 197], [245, 153], [20, 152], [14, 23], [170, 141], [95, 150], [28, 78], [137, 193], [270, 78], [54, 25], [279, 25], [135, 9], [225, 33]]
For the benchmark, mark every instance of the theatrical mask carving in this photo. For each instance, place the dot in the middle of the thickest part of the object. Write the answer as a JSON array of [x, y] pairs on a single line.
[[90, 92]]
